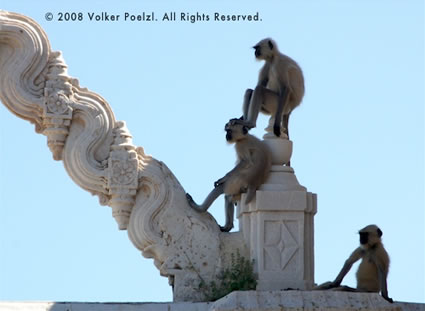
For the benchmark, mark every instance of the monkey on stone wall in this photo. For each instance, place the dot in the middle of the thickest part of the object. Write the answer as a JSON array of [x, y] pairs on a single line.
[[252, 170], [373, 269]]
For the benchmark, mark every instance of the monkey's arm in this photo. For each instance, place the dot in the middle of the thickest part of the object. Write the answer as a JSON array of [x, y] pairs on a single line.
[[356, 255], [229, 209], [263, 78], [242, 164], [382, 280], [214, 194]]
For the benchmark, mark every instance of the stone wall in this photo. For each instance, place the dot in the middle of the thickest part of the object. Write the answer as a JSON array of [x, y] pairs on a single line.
[[240, 301]]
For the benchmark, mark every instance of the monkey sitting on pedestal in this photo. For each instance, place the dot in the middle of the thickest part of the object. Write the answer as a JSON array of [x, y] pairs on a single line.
[[279, 90], [373, 269], [252, 170]]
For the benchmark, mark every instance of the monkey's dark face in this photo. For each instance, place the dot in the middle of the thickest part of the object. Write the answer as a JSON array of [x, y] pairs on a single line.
[[369, 236], [257, 51], [264, 49], [229, 135], [364, 237], [235, 131]]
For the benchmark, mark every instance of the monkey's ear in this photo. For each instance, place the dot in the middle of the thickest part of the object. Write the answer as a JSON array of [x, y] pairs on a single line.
[[245, 130], [379, 232], [271, 45]]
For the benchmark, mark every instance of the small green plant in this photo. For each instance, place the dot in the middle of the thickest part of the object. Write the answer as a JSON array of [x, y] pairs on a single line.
[[240, 276]]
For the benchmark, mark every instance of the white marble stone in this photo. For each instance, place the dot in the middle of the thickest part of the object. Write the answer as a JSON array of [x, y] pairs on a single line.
[[278, 225], [240, 301], [149, 202], [99, 155], [87, 306], [308, 300], [146, 198]]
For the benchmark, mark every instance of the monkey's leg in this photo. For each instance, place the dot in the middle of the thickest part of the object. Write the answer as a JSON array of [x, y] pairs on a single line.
[[246, 102], [229, 208], [323, 286], [225, 178], [285, 123], [214, 194], [262, 99], [250, 194], [282, 101], [345, 289]]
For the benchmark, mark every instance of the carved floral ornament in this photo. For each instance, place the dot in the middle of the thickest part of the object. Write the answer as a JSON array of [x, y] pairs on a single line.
[[123, 173], [98, 154], [58, 104], [58, 89], [51, 99], [146, 198]]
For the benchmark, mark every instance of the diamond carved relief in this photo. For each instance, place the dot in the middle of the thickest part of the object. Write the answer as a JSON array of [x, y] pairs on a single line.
[[280, 245]]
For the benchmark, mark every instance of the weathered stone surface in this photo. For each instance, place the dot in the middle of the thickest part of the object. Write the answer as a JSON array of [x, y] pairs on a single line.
[[146, 198], [85, 306], [240, 301], [148, 201], [278, 226], [307, 300], [99, 155]]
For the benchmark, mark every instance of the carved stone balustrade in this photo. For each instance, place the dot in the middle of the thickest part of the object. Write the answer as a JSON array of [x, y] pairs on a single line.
[[146, 199], [98, 154]]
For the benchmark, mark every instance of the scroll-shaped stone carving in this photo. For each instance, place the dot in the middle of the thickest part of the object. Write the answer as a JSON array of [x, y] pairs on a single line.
[[146, 198], [184, 244], [98, 154]]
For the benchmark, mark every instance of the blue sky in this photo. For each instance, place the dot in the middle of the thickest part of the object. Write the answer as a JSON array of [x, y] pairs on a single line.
[[358, 135]]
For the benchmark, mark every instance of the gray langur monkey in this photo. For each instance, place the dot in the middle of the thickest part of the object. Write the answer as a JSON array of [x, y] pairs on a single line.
[[252, 169], [373, 269], [279, 90]]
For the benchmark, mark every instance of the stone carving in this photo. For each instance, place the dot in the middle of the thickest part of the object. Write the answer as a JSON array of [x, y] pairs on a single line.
[[279, 245], [57, 109], [146, 198], [278, 226], [98, 154], [122, 175]]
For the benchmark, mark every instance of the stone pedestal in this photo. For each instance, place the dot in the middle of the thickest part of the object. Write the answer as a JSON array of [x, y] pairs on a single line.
[[278, 226]]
